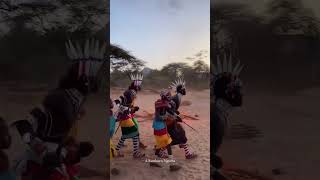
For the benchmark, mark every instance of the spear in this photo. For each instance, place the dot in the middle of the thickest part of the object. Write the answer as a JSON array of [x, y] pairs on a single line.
[[117, 127], [190, 126], [180, 120], [116, 115]]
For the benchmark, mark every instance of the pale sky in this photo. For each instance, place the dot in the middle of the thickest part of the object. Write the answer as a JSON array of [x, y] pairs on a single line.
[[161, 31]]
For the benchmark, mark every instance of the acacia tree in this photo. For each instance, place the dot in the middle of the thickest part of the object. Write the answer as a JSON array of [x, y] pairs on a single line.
[[201, 68], [123, 60], [46, 16], [35, 33], [290, 16], [224, 18], [176, 69]]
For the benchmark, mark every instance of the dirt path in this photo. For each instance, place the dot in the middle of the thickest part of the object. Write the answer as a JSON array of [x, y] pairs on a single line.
[[196, 104], [276, 136]]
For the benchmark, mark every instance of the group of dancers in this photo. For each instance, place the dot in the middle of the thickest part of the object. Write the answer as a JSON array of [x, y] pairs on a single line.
[[166, 123], [52, 150]]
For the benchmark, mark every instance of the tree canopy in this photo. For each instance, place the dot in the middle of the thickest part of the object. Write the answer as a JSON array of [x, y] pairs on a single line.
[[46, 16], [121, 60]]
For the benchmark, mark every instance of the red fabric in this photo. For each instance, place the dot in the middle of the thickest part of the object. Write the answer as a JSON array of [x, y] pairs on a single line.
[[125, 117], [160, 103], [73, 170], [160, 132], [57, 176], [35, 170]]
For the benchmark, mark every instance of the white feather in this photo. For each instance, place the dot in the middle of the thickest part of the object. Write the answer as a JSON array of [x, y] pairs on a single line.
[[79, 50], [236, 68], [239, 70], [68, 51], [230, 65], [219, 65], [73, 50], [225, 65], [214, 69], [92, 50], [87, 49], [96, 55], [102, 50]]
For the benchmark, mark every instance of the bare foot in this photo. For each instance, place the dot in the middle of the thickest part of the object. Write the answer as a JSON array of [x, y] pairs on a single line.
[[174, 167], [119, 154], [191, 156], [142, 146], [139, 155], [153, 164], [115, 171]]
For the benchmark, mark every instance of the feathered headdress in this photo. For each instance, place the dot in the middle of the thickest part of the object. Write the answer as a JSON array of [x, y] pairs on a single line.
[[226, 68], [165, 93], [136, 79], [178, 82], [90, 57]]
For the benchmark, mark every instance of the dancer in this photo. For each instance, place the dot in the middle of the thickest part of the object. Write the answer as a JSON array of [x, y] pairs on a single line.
[[112, 125], [162, 137], [49, 124], [136, 88], [5, 142], [226, 87], [175, 129], [125, 116], [164, 113]]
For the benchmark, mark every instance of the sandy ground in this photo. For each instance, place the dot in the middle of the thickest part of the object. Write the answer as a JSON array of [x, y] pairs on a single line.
[[15, 104], [270, 133], [276, 135], [197, 169]]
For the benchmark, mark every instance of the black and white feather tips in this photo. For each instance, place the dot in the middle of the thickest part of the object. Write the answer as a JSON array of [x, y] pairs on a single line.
[[176, 83], [165, 94], [227, 67], [90, 56], [137, 79]]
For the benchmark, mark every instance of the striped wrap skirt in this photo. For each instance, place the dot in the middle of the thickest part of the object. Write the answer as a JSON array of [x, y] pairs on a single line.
[[161, 134], [129, 127]]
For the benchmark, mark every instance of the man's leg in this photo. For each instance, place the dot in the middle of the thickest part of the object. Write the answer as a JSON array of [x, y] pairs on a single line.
[[173, 166], [136, 152], [120, 145]]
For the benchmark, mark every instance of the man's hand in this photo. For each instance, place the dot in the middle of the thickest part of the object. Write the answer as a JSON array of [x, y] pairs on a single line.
[[38, 146], [35, 143], [135, 109], [117, 101], [178, 118], [123, 108]]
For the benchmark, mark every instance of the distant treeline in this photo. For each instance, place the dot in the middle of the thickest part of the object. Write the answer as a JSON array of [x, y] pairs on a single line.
[[197, 76], [33, 36], [280, 47]]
